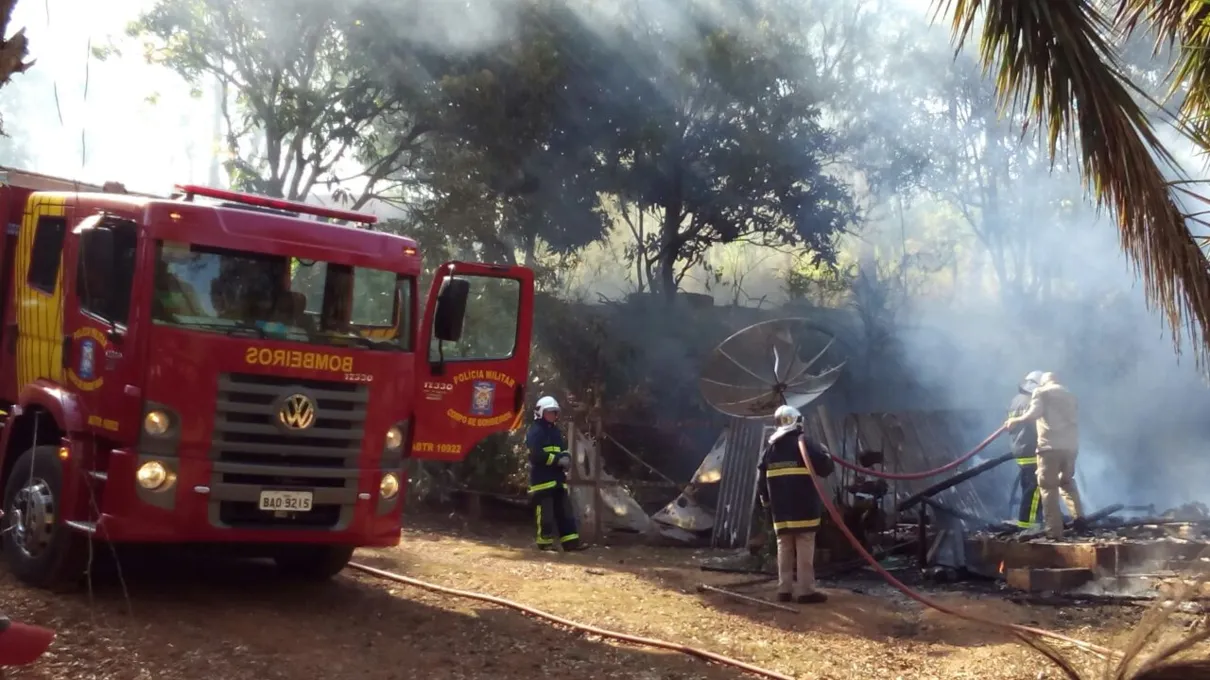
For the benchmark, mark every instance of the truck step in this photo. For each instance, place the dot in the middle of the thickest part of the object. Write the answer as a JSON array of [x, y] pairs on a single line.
[[86, 527]]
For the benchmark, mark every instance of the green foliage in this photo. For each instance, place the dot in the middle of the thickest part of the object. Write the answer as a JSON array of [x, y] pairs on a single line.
[[730, 145], [298, 101]]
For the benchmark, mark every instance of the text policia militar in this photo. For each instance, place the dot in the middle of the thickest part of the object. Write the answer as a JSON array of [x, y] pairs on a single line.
[[483, 392]]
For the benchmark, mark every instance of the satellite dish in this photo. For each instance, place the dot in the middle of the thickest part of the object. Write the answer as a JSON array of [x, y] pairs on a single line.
[[783, 361]]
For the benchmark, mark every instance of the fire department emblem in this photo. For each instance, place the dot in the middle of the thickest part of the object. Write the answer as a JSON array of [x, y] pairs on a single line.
[[88, 359], [482, 396]]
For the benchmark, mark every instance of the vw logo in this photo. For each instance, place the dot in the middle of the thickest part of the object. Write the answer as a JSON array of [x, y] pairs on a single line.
[[297, 412]]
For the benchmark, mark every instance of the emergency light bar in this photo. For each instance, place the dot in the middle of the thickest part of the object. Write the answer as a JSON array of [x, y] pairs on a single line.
[[191, 190]]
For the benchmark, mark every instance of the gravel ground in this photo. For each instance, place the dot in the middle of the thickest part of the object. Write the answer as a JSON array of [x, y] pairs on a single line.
[[178, 620]]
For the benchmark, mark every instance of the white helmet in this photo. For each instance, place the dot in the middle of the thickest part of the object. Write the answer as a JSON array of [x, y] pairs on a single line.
[[545, 404], [787, 419], [786, 416], [1031, 382]]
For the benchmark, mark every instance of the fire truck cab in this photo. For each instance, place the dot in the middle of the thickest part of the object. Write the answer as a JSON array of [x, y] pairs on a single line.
[[222, 368]]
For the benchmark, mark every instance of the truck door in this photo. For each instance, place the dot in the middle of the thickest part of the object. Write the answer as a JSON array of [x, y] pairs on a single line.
[[98, 328], [469, 389]]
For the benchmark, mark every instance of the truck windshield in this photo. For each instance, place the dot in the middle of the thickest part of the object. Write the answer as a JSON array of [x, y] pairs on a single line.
[[283, 298]]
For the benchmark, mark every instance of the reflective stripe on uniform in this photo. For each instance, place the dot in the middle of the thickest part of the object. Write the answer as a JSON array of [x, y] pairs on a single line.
[[1031, 460], [543, 486], [552, 452], [542, 540], [569, 537], [781, 472], [1034, 504], [796, 524]]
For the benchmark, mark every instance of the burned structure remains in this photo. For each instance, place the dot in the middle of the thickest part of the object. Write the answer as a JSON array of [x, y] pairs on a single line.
[[692, 481]]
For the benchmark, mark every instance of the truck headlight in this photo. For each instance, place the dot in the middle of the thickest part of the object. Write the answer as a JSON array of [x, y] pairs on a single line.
[[156, 423], [394, 438], [152, 475], [389, 486]]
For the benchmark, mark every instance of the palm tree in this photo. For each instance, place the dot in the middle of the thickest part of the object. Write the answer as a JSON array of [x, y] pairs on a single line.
[[1057, 59]]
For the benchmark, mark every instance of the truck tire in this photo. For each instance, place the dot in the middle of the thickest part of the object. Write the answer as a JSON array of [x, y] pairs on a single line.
[[312, 562], [39, 548]]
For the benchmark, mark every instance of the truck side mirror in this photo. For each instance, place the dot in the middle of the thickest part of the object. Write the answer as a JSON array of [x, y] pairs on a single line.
[[97, 250], [451, 309]]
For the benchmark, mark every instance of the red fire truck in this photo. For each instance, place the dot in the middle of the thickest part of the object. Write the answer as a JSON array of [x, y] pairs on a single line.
[[222, 368]]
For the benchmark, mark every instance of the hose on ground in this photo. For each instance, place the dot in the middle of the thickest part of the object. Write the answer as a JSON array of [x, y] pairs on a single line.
[[1014, 628], [623, 637], [909, 476]]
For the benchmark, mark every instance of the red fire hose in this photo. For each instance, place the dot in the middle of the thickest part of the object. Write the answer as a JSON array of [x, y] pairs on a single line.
[[908, 476], [1016, 629]]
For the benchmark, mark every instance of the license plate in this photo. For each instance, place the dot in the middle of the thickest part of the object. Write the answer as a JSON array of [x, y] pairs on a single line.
[[287, 501]]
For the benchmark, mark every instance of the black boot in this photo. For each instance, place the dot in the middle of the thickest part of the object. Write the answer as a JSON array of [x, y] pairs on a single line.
[[812, 598], [547, 547], [574, 546]]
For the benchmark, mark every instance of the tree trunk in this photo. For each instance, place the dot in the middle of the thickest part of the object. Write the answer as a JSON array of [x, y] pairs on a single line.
[[670, 250]]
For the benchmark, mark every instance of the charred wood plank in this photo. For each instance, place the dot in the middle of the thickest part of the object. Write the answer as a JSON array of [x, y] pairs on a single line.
[[917, 498]]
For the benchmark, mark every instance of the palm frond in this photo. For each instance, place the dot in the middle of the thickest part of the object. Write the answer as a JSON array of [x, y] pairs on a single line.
[[1053, 59], [1052, 654], [1184, 24]]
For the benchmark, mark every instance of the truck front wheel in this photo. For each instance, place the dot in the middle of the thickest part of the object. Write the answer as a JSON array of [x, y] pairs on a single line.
[[40, 549], [312, 562]]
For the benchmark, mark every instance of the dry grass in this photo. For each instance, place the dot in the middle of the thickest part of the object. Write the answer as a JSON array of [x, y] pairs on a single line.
[[651, 592], [238, 622]]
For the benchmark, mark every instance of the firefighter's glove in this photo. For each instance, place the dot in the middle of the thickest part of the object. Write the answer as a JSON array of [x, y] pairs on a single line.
[[564, 461]]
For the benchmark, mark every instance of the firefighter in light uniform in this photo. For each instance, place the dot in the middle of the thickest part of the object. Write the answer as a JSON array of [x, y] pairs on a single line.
[[1056, 411], [786, 490], [548, 465], [1024, 438]]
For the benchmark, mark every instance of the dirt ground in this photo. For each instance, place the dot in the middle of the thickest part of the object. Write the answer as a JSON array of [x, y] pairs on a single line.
[[177, 620]]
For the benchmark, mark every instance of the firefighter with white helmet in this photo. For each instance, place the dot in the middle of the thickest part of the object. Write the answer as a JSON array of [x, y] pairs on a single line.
[[786, 490], [548, 465]]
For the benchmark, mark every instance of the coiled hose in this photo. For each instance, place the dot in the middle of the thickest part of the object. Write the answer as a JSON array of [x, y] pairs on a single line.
[[838, 520]]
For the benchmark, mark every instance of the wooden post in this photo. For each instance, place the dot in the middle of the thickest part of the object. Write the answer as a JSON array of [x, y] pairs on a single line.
[[834, 446], [598, 504], [574, 476]]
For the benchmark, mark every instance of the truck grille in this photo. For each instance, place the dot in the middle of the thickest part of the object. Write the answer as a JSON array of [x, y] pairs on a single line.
[[251, 452]]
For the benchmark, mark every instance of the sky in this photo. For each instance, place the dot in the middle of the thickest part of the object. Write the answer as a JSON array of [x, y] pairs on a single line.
[[130, 116]]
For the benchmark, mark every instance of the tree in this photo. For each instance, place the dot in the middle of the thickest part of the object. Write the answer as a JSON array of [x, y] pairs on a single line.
[[508, 166], [1058, 59], [980, 164], [720, 135], [13, 49], [302, 110]]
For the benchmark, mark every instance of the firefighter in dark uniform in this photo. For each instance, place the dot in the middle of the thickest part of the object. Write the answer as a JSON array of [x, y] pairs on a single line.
[[1024, 438], [787, 492], [548, 465]]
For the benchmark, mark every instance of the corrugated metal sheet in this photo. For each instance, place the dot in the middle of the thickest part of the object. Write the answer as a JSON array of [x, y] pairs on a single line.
[[737, 490], [918, 441]]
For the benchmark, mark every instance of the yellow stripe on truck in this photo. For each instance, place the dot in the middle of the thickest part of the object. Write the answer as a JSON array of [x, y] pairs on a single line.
[[39, 314]]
